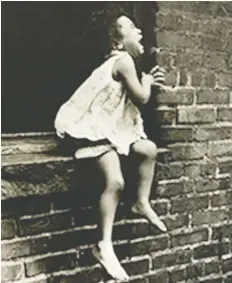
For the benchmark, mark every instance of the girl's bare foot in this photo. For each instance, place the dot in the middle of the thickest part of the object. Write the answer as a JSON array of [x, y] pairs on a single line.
[[146, 210], [104, 253]]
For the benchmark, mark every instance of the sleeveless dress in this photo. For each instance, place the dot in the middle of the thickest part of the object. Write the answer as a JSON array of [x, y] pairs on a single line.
[[101, 113]]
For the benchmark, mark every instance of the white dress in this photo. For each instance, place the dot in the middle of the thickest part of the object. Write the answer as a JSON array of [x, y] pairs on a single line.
[[101, 112]]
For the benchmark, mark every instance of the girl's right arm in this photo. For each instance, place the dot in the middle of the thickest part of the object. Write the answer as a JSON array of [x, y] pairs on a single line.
[[125, 68]]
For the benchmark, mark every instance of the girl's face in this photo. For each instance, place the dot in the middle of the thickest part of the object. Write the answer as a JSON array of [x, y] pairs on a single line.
[[130, 36]]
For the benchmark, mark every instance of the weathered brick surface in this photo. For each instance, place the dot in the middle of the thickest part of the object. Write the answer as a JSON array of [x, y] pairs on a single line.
[[161, 277], [8, 228], [226, 265], [211, 250], [49, 208], [209, 217], [12, 272], [148, 246], [178, 257], [190, 238], [221, 148], [30, 226], [181, 151], [165, 116], [183, 204], [195, 115], [210, 96], [177, 134], [213, 133], [50, 264], [224, 114]]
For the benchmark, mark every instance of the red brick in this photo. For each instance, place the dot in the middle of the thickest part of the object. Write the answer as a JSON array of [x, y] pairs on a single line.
[[174, 21], [50, 264], [166, 58], [190, 238], [71, 239], [184, 204], [222, 232], [193, 271], [224, 198], [225, 165], [197, 78], [190, 59], [40, 224], [221, 148], [210, 79], [93, 275], [195, 169], [226, 265], [211, 267], [16, 249], [11, 272], [130, 231], [210, 250], [212, 280], [210, 96], [183, 76], [177, 275], [188, 151], [199, 8], [8, 229], [160, 276], [211, 42], [224, 114], [140, 280], [170, 39], [224, 79], [172, 170], [213, 133], [171, 189], [215, 60], [205, 185], [174, 258], [176, 222], [194, 115], [171, 78], [165, 116], [161, 208], [209, 217], [176, 96], [136, 267], [176, 134], [25, 206], [228, 279], [148, 246]]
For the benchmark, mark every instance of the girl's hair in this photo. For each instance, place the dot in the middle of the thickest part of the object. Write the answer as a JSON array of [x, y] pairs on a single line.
[[113, 34]]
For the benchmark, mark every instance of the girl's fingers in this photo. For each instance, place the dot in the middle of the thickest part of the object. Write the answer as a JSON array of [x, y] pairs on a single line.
[[160, 80], [155, 69], [162, 70], [158, 74]]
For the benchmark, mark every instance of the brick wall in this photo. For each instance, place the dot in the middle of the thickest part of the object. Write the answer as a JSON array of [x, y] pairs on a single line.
[[48, 237]]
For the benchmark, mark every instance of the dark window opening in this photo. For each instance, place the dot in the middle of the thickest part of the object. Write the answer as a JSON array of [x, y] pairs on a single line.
[[48, 49]]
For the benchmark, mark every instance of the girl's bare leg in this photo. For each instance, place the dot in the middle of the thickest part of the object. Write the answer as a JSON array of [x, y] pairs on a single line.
[[146, 152], [110, 168]]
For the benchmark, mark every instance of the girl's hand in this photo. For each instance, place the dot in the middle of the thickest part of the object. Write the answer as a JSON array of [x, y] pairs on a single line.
[[158, 76]]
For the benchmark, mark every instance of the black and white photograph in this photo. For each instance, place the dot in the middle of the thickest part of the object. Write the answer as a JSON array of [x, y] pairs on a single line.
[[116, 141]]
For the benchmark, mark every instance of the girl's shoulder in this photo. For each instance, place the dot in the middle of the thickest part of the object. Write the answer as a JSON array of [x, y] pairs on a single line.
[[125, 63]]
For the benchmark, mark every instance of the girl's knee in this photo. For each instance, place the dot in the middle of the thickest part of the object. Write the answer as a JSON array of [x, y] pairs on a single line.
[[116, 184], [146, 149], [150, 150]]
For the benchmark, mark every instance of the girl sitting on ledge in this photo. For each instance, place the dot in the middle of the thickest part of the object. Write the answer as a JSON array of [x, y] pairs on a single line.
[[103, 113]]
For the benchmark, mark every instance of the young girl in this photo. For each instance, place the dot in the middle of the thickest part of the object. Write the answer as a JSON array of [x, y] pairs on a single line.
[[103, 114]]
